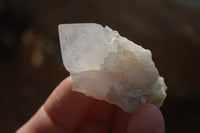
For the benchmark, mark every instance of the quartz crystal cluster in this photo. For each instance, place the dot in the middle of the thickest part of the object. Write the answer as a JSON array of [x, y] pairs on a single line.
[[109, 67]]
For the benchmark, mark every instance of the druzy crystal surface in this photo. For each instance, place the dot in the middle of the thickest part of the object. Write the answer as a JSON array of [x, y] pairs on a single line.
[[109, 67]]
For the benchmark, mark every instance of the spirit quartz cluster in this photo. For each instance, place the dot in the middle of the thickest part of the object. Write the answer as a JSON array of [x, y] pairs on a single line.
[[109, 67]]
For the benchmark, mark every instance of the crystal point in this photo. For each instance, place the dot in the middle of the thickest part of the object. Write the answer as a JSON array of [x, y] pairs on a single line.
[[109, 67]]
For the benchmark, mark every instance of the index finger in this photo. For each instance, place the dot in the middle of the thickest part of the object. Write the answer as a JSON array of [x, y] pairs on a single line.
[[67, 107]]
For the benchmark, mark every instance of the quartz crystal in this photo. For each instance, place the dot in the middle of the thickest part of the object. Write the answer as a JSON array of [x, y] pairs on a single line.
[[110, 67]]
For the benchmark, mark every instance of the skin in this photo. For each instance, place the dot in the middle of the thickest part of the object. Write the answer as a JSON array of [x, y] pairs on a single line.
[[66, 111]]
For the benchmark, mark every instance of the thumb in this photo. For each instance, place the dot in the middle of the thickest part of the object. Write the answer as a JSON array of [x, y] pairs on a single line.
[[146, 119]]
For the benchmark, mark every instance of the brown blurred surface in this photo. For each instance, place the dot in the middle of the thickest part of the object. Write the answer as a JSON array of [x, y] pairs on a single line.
[[31, 64]]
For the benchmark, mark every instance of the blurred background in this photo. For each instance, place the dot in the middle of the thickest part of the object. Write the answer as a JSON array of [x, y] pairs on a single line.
[[31, 64]]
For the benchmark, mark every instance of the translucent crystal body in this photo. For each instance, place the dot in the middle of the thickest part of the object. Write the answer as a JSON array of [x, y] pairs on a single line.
[[109, 67]]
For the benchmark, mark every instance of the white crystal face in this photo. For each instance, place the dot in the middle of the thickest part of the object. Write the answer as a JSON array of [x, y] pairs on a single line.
[[109, 67]]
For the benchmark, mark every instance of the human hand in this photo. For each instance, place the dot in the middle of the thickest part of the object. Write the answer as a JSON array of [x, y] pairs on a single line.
[[66, 111]]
